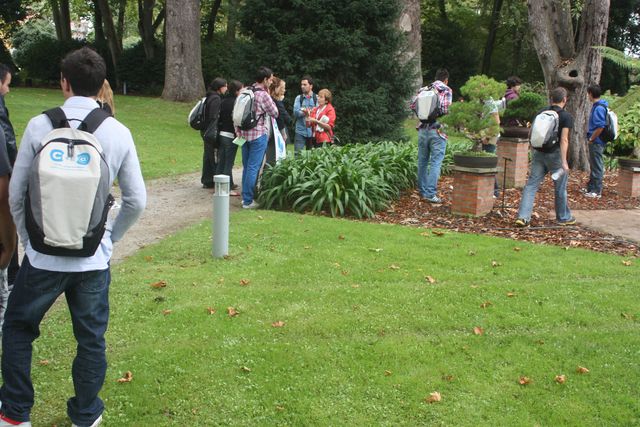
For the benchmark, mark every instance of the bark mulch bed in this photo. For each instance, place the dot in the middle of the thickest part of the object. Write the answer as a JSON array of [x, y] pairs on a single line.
[[411, 210]]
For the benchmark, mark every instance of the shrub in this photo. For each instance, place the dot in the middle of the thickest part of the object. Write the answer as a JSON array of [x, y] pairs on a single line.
[[40, 59], [524, 108], [357, 179], [142, 75]]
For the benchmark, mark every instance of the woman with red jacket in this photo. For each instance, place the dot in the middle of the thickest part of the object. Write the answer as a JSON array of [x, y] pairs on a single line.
[[322, 119]]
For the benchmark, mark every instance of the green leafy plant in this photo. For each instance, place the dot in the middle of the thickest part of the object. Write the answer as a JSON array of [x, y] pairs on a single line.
[[524, 108], [470, 116], [629, 127]]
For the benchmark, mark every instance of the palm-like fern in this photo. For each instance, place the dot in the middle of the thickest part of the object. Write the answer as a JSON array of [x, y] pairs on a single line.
[[619, 58]]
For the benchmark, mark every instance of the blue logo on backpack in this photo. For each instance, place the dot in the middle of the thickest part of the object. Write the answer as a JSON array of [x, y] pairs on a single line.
[[83, 159], [56, 155]]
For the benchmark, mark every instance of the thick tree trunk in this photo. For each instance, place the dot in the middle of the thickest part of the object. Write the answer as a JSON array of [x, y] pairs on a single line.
[[569, 61], [110, 30], [145, 26], [232, 19], [491, 38], [97, 23], [61, 18], [211, 21], [122, 8], [409, 24], [183, 67]]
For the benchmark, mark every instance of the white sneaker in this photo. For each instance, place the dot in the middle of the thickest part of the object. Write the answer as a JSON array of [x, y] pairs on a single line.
[[592, 195], [96, 423], [253, 205]]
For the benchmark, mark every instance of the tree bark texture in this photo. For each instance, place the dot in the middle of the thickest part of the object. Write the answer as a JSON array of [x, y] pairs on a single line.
[[145, 26], [232, 19], [568, 60], [122, 8], [491, 38], [183, 79], [211, 21], [409, 24], [115, 49], [97, 23], [61, 18]]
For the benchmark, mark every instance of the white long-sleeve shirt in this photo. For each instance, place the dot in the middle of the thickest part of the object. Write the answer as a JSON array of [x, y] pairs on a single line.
[[120, 154]]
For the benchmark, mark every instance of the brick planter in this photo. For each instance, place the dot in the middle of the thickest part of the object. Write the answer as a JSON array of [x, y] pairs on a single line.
[[472, 191], [517, 151], [629, 182]]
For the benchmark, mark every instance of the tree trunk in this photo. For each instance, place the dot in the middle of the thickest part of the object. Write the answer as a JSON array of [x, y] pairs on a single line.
[[61, 18], [97, 24], [491, 38], [232, 19], [110, 30], [145, 26], [409, 24], [568, 60], [211, 21], [122, 8], [183, 67]]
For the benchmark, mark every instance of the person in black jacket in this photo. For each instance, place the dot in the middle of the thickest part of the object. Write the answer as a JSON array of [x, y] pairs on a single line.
[[217, 88], [226, 134], [277, 90]]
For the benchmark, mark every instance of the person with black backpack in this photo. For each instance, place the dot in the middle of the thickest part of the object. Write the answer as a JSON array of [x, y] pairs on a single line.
[[597, 124], [85, 151], [302, 106], [209, 132], [550, 142]]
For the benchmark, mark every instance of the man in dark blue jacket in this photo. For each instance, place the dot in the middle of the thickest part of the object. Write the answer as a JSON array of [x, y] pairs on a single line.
[[597, 123]]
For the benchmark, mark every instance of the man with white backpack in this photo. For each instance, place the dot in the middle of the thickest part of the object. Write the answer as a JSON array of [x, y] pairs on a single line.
[[550, 142], [59, 195]]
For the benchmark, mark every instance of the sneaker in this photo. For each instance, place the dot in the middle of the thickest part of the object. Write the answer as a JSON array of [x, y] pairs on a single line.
[[521, 222], [592, 195], [252, 205], [96, 423], [584, 190], [570, 221], [8, 422], [434, 199]]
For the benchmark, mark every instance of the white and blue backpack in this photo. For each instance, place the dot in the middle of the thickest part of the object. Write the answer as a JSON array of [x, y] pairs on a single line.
[[68, 197]]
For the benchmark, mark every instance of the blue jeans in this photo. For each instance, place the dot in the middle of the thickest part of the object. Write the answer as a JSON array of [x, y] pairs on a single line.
[[34, 292], [226, 157], [300, 142], [541, 163], [252, 156], [596, 162], [431, 149]]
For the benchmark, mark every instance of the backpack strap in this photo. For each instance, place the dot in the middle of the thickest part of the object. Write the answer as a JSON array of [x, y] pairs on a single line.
[[93, 120], [57, 117]]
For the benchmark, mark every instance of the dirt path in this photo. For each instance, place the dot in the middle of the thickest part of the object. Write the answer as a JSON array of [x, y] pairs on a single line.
[[172, 204]]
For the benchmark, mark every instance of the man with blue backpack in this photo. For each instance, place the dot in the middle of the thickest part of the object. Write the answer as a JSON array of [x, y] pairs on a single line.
[[596, 140]]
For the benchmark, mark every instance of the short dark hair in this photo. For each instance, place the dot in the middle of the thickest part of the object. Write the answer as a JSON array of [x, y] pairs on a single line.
[[4, 72], [308, 79], [594, 90], [513, 81], [85, 71], [263, 73], [217, 83], [557, 95], [233, 87], [442, 74]]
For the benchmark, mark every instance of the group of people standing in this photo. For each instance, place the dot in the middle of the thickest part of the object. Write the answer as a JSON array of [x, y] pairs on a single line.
[[432, 142], [313, 113]]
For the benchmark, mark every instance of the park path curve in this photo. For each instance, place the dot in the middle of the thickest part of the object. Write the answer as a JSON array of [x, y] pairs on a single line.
[[624, 223]]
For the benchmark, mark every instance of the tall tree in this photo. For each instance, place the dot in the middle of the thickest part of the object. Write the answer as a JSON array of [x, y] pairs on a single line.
[[567, 57], [491, 38], [409, 24], [115, 46], [232, 18], [145, 26], [183, 65], [61, 18], [211, 20]]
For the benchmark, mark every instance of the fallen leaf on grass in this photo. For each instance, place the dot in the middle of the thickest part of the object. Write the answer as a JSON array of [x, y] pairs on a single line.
[[211, 310], [336, 265], [355, 286], [279, 408], [260, 217], [158, 285], [582, 370], [245, 369], [472, 253], [430, 279], [221, 280], [485, 304], [306, 247], [148, 258], [511, 294], [244, 282], [627, 316], [517, 249], [232, 312], [44, 362], [478, 330], [127, 378], [394, 267], [438, 233], [524, 381], [626, 262], [166, 311], [344, 272], [560, 379], [341, 237], [387, 373], [447, 377], [376, 250], [495, 264], [278, 324], [433, 397], [425, 234]]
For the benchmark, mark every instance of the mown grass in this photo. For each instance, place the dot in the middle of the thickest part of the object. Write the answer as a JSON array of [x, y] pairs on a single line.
[[366, 337]]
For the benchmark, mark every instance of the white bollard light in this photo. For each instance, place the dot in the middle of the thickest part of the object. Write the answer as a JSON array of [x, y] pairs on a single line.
[[220, 225]]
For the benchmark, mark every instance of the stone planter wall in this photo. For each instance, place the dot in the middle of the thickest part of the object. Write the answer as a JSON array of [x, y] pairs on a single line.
[[472, 191], [517, 150], [629, 182]]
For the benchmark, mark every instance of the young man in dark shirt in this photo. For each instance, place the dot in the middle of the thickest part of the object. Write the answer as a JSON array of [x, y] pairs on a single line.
[[550, 159]]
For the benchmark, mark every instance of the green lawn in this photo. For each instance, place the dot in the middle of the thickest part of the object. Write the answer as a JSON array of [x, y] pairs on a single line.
[[166, 144], [365, 338]]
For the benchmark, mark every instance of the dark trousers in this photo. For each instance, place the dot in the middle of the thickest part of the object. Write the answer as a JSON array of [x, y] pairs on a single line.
[[596, 161], [226, 157], [34, 292], [209, 164]]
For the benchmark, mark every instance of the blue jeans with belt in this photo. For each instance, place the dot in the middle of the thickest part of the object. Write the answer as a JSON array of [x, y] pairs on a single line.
[[431, 149], [252, 157], [34, 292]]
